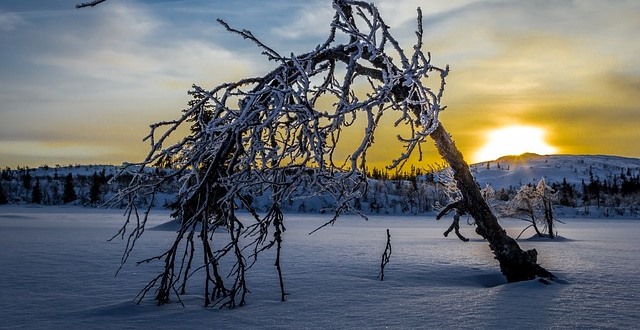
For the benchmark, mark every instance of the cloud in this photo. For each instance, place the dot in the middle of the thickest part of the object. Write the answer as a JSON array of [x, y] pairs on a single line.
[[10, 21], [398, 12], [126, 45], [505, 51], [311, 20], [100, 77]]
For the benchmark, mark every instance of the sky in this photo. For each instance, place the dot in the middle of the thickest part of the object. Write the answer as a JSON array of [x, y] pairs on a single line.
[[83, 86]]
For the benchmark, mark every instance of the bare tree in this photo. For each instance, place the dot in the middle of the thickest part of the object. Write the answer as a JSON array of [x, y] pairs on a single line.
[[271, 133], [548, 197], [535, 204]]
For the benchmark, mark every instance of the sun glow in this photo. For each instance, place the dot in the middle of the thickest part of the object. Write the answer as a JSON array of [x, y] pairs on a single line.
[[513, 140]]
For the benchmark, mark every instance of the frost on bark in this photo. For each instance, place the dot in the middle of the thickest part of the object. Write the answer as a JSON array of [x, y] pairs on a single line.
[[271, 133]]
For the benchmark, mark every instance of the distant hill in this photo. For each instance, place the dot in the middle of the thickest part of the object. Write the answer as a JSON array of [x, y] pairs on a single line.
[[530, 168]]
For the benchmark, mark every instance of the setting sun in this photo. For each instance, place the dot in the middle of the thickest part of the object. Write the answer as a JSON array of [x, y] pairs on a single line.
[[513, 140]]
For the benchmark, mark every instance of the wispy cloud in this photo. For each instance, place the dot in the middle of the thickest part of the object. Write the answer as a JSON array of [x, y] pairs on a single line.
[[10, 21], [126, 45]]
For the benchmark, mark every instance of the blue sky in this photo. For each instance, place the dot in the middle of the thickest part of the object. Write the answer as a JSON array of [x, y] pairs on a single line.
[[82, 86]]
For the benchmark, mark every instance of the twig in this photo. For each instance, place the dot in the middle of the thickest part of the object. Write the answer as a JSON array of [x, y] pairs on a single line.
[[386, 255]]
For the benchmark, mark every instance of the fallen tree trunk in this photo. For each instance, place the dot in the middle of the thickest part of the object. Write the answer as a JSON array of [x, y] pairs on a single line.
[[515, 263]]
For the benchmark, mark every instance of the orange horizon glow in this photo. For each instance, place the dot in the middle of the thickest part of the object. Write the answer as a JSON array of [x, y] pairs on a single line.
[[513, 140]]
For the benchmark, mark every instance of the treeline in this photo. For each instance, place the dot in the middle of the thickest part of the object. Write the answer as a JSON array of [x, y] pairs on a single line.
[[613, 192], [53, 186], [82, 185], [390, 192], [415, 191], [413, 174]]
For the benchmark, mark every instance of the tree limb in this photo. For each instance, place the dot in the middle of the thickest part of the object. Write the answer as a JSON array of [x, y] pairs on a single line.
[[89, 4]]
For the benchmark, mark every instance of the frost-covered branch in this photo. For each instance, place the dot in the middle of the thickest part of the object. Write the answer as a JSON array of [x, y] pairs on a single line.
[[280, 133]]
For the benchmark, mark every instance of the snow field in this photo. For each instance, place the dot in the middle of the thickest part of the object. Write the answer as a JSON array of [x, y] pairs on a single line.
[[58, 272]]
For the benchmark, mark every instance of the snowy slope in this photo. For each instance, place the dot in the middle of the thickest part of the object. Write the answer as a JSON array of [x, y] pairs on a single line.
[[530, 168]]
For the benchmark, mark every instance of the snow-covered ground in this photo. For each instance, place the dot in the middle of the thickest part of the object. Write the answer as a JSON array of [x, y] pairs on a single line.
[[57, 272]]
